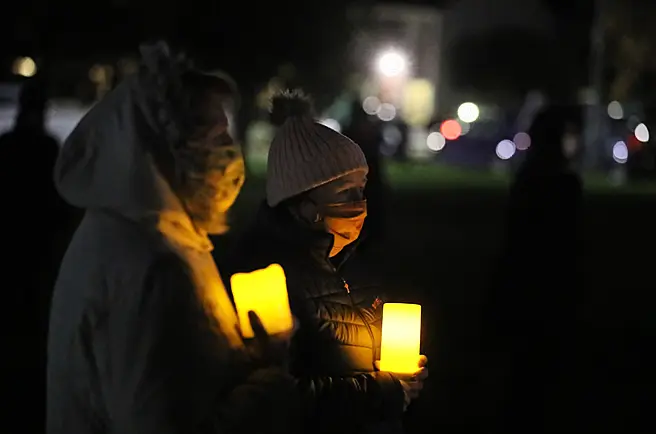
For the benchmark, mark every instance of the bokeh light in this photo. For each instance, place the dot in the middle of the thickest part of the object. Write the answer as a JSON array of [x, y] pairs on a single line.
[[522, 141], [506, 149], [451, 129], [620, 152], [642, 133], [435, 141], [371, 105], [387, 112], [392, 63], [24, 66], [468, 112], [615, 110]]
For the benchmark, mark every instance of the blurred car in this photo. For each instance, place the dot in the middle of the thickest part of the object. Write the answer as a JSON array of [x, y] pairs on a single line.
[[475, 146]]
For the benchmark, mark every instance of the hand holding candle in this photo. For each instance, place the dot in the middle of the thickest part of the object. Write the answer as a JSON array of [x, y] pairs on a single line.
[[412, 384], [265, 293], [266, 349]]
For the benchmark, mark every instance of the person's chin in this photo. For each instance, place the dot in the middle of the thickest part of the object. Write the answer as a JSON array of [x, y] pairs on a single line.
[[219, 230], [217, 226]]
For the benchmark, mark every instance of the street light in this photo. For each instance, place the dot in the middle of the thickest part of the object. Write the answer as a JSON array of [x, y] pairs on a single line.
[[392, 63]]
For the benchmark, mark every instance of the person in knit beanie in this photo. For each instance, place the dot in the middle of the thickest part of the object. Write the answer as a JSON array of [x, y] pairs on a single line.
[[310, 223], [308, 160]]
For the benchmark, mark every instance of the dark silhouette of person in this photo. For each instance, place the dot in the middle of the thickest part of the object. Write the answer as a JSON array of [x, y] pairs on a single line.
[[37, 220], [532, 310], [366, 132], [402, 151]]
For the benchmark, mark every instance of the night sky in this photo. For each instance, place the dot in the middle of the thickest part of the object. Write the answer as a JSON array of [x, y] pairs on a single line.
[[249, 40], [252, 35], [251, 32]]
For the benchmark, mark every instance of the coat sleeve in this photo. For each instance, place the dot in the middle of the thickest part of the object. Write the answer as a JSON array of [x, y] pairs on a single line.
[[171, 370], [363, 399]]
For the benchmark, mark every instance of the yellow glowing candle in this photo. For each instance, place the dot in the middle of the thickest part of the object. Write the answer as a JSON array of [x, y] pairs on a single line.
[[399, 350], [264, 292]]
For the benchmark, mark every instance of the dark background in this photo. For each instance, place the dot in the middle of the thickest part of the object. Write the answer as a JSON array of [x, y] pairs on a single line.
[[444, 238]]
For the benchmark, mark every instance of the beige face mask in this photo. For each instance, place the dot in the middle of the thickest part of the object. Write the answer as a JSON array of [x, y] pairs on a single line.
[[215, 187], [344, 221]]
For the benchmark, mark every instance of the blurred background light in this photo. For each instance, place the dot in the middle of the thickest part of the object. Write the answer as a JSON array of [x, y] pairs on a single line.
[[615, 110], [435, 141], [468, 112], [506, 149], [387, 112], [24, 66], [642, 133], [392, 63], [522, 141], [620, 152], [451, 129]]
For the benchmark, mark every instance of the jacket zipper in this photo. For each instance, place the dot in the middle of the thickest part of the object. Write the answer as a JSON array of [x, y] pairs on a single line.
[[364, 321]]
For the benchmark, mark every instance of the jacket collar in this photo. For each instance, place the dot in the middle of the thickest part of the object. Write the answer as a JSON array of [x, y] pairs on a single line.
[[285, 229]]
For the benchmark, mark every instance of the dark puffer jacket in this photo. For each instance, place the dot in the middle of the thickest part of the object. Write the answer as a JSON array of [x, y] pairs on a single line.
[[340, 328]]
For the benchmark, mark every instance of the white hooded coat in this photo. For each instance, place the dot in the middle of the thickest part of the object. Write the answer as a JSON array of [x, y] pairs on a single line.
[[143, 334]]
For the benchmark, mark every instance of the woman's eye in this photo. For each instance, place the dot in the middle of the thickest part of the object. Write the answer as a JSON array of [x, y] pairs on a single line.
[[352, 194]]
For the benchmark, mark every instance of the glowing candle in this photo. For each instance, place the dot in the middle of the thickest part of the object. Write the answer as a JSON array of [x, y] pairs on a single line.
[[399, 350], [264, 292]]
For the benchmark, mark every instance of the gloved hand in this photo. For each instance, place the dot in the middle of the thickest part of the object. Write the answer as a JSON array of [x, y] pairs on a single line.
[[412, 384], [269, 350]]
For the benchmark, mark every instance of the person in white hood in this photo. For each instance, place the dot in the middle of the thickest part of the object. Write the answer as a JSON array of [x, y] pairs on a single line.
[[143, 336]]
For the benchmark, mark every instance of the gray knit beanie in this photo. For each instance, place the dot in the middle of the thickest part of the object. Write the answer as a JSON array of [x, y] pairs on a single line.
[[305, 154]]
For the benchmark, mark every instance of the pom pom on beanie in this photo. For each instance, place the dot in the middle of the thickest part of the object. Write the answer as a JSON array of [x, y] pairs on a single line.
[[290, 104]]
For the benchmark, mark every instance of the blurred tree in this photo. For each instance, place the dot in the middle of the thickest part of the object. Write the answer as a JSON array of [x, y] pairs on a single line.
[[321, 54], [573, 20], [508, 61], [630, 35]]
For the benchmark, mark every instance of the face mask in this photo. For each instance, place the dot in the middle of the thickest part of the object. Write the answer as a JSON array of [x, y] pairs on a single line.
[[344, 221], [213, 181]]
